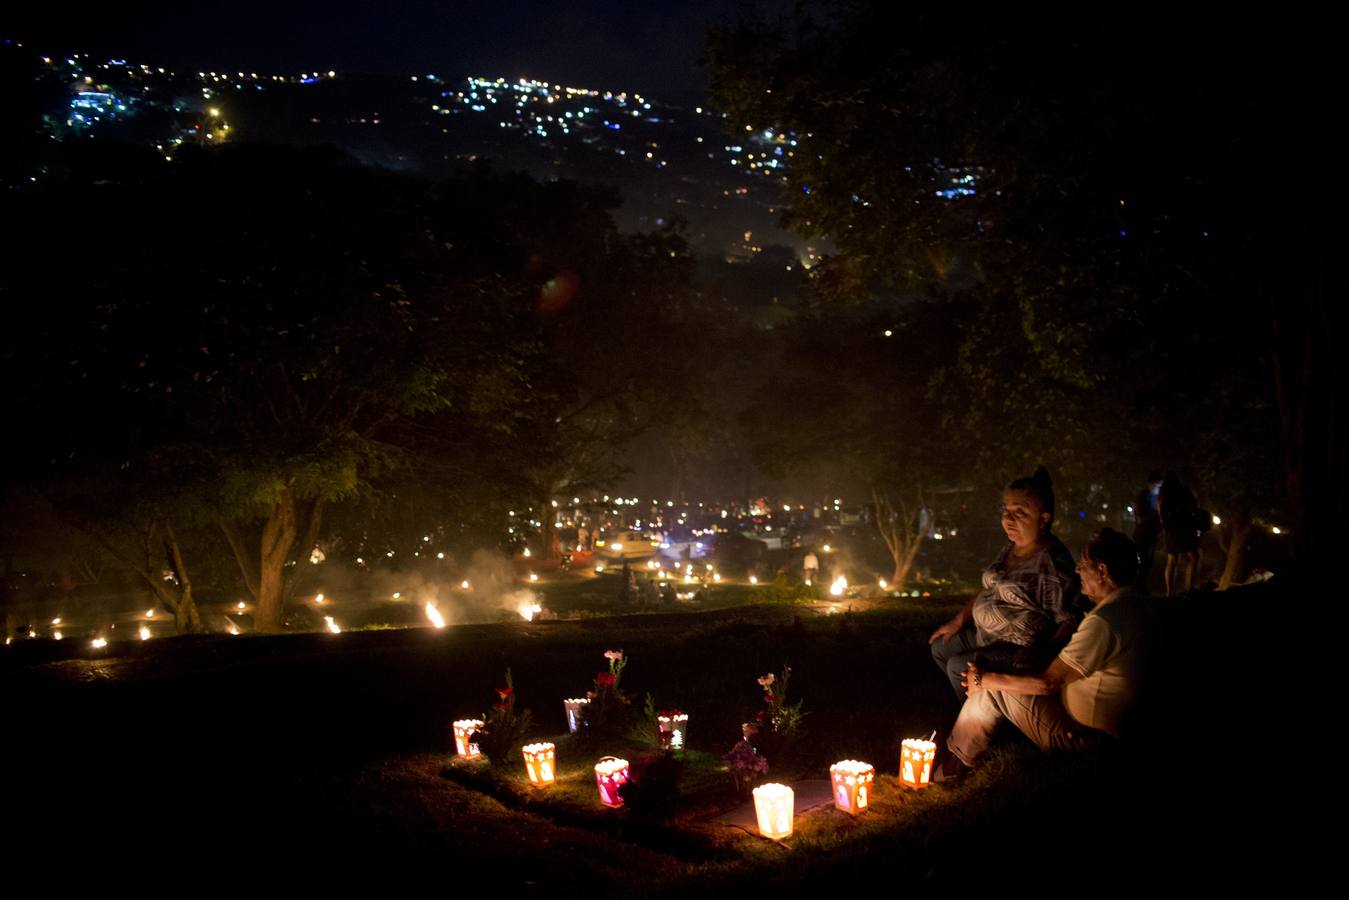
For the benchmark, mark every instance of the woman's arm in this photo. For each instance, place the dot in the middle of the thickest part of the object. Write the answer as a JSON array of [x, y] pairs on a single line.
[[956, 622], [1050, 681]]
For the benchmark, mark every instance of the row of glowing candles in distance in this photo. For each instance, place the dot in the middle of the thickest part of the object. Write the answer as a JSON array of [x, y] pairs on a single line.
[[774, 804]]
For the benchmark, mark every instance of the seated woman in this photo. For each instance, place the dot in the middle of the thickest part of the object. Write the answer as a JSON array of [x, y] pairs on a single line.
[[1030, 602]]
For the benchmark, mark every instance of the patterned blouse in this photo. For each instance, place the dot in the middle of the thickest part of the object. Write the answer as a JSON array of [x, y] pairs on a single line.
[[1024, 600]]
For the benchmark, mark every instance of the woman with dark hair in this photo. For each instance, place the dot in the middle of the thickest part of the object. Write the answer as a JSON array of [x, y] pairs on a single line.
[[1181, 525], [1030, 601]]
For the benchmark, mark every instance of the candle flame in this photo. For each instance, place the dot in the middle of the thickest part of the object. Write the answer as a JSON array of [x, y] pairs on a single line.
[[529, 610], [839, 586], [144, 633], [332, 626], [98, 643]]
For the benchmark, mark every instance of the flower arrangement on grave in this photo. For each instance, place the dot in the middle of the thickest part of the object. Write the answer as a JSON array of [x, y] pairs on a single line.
[[609, 712], [746, 765], [779, 721], [503, 729]]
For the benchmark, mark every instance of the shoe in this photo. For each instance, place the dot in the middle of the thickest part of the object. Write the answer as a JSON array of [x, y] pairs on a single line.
[[949, 769]]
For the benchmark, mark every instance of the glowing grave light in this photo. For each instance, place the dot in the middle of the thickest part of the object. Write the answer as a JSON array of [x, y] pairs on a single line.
[[232, 629], [1276, 530], [610, 774], [774, 807], [915, 762], [398, 595], [144, 633], [99, 643], [529, 610], [149, 614], [539, 760], [617, 545], [1217, 520], [526, 553], [533, 577], [575, 709], [674, 728], [839, 586], [753, 579], [599, 570], [239, 605], [57, 635], [463, 730], [437, 620], [56, 621], [828, 549], [852, 785], [464, 584], [318, 599], [331, 625], [716, 576], [883, 584]]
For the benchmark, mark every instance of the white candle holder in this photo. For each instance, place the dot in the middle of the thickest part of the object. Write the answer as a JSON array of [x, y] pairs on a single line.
[[775, 808]]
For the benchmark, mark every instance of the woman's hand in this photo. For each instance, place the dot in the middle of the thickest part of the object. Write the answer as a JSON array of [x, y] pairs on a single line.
[[949, 630], [973, 680]]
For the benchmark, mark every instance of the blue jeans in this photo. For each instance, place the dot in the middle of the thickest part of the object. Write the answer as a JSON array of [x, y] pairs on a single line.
[[952, 654]]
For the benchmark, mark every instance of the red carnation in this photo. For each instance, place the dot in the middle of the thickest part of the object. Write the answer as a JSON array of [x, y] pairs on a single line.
[[505, 692], [605, 679], [769, 698]]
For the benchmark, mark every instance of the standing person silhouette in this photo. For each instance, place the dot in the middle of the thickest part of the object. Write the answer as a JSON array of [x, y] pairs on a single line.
[[1179, 512], [1147, 526]]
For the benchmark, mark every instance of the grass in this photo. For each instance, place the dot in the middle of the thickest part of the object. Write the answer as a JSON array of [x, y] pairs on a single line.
[[326, 758]]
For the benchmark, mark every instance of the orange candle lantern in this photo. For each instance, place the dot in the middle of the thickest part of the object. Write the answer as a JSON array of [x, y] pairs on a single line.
[[576, 710], [463, 730], [915, 762], [674, 728], [610, 773], [852, 785], [775, 807], [539, 763]]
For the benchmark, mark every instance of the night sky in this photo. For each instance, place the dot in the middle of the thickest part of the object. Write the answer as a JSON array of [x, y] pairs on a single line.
[[646, 46]]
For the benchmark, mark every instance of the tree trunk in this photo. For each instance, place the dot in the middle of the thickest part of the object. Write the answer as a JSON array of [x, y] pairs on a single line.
[[185, 613], [902, 537], [278, 539], [1312, 417], [547, 528], [247, 569], [308, 527], [1236, 534]]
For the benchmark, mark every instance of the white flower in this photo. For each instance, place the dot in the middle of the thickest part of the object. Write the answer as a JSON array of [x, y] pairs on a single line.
[[613, 654], [766, 680]]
